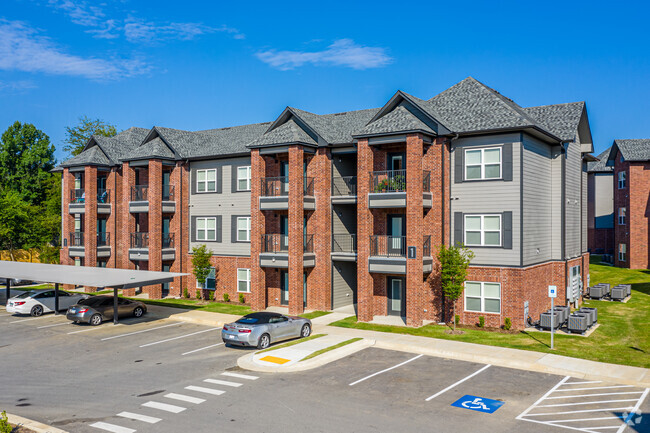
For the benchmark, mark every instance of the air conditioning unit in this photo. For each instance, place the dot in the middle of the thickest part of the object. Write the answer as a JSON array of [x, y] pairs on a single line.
[[549, 320], [627, 287], [597, 292], [618, 293], [578, 323], [564, 312], [605, 287], [592, 312]]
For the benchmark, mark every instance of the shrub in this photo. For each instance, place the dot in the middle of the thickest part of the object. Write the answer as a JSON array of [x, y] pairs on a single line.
[[456, 319], [481, 321], [5, 427], [508, 324], [242, 298], [211, 295], [198, 293], [226, 297], [186, 293]]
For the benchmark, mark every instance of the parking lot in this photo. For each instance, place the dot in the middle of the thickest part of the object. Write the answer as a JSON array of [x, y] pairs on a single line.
[[157, 375]]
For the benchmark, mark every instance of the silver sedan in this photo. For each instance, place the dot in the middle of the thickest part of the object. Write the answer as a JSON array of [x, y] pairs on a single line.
[[263, 328]]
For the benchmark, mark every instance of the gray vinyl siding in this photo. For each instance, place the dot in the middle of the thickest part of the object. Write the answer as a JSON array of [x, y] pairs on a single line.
[[585, 245], [556, 204], [492, 196], [601, 192], [573, 200], [344, 219], [537, 198], [344, 283], [225, 204]]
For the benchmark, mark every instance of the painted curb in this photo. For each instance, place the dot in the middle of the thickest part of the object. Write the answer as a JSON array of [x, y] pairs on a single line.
[[33, 425]]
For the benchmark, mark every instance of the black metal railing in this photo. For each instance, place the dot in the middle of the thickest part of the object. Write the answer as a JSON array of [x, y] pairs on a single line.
[[275, 186], [168, 192], [426, 181], [139, 192], [77, 196], [275, 243], [103, 239], [309, 186], [426, 246], [168, 240], [308, 244], [388, 246], [139, 240], [344, 243], [388, 181], [344, 186], [77, 239], [103, 195]]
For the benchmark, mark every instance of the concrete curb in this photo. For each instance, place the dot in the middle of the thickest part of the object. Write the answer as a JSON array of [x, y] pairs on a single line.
[[247, 362], [32, 425], [192, 316]]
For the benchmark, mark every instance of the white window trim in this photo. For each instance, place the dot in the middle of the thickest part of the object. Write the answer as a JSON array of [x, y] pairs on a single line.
[[206, 219], [483, 298], [622, 179], [482, 164], [206, 171], [248, 282], [248, 177], [198, 285], [622, 254], [248, 231], [622, 215], [482, 230]]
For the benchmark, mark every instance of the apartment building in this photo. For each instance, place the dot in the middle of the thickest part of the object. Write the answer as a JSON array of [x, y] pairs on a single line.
[[600, 205], [348, 209], [630, 160]]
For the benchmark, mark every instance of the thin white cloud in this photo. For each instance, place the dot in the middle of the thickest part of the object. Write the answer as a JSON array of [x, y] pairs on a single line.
[[16, 86], [343, 52], [80, 12], [139, 30], [24, 49]]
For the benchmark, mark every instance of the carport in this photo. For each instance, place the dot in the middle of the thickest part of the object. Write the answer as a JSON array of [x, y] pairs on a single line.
[[82, 276]]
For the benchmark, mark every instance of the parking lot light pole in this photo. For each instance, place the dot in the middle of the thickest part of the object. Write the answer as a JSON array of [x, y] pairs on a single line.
[[56, 299]]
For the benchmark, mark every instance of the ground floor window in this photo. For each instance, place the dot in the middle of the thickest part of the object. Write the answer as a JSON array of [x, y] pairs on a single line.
[[482, 297], [244, 280], [622, 251], [210, 281]]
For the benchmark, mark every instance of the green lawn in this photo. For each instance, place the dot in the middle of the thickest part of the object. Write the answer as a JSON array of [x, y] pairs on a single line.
[[315, 314], [622, 338], [191, 304]]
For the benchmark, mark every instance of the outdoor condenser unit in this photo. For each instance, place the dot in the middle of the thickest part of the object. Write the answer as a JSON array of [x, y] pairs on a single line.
[[578, 323], [628, 288], [549, 320], [618, 293], [593, 314], [564, 312], [605, 286], [597, 292]]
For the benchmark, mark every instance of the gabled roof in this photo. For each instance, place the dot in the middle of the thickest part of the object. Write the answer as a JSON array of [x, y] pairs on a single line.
[[92, 156], [400, 120], [561, 119], [287, 133], [632, 149], [155, 148], [229, 141], [600, 166], [337, 128]]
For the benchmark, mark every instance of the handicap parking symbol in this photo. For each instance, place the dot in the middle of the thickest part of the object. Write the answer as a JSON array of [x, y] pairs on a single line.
[[479, 404]]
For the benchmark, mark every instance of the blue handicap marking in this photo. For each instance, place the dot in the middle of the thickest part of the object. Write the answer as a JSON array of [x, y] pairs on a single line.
[[479, 404]]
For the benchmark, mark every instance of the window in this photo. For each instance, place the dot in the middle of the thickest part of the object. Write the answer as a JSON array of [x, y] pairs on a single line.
[[244, 178], [622, 250], [243, 229], [621, 216], [244, 280], [206, 180], [621, 179], [483, 230], [206, 229], [482, 297], [483, 163], [210, 281]]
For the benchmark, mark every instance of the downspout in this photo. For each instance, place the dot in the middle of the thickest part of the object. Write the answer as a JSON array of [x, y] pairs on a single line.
[[451, 242], [563, 208]]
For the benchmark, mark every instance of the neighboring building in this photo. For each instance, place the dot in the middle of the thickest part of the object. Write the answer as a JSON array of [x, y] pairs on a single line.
[[600, 205], [348, 209], [631, 162]]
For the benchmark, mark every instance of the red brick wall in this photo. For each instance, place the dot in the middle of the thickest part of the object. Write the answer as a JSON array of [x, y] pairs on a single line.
[[154, 225], [67, 185], [296, 222], [601, 239], [258, 228], [415, 296], [638, 214], [366, 293], [226, 281], [621, 199]]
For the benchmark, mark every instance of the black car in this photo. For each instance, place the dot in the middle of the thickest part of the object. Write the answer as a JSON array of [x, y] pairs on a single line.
[[96, 309]]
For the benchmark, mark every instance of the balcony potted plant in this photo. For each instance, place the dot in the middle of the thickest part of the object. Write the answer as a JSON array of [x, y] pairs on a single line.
[[382, 186]]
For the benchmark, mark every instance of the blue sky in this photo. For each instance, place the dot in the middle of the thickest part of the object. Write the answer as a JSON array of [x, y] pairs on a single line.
[[198, 65]]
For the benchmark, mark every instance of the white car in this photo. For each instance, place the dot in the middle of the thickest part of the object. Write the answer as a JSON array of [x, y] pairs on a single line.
[[37, 302]]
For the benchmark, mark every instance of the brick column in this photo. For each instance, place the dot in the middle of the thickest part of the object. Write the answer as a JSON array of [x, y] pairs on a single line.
[[258, 297], [296, 222], [154, 195], [111, 221], [179, 223], [67, 185], [90, 218], [128, 221], [365, 223], [414, 296]]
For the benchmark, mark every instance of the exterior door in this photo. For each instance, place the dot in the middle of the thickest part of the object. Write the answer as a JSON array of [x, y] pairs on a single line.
[[284, 233], [304, 290], [165, 189], [396, 232], [284, 172], [396, 304], [165, 286], [284, 288], [396, 161]]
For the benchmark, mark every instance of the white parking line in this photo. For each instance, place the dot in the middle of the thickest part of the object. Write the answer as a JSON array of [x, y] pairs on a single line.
[[595, 395], [164, 406], [458, 383], [94, 328], [634, 409], [586, 402], [544, 397], [204, 390], [179, 337], [203, 348], [223, 382], [139, 332], [583, 383], [581, 411], [112, 427], [185, 398], [239, 376], [52, 326], [384, 371], [139, 417], [595, 387], [31, 318]]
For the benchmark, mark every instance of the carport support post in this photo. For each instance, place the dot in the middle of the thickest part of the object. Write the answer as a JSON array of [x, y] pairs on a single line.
[[56, 298], [115, 305], [8, 289]]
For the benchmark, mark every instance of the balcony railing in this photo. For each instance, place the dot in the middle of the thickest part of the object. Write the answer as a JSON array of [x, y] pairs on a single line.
[[344, 186], [77, 195], [168, 192], [388, 246], [139, 192], [344, 243], [139, 240], [388, 181], [279, 186], [426, 246], [426, 181], [168, 240], [77, 239], [277, 243], [103, 239], [103, 195]]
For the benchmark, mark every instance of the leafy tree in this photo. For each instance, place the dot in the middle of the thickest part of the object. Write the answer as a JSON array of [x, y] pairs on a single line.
[[77, 136], [15, 221], [49, 254], [454, 262], [201, 265]]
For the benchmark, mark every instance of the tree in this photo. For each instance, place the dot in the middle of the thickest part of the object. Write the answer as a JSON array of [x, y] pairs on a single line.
[[77, 136], [15, 221], [201, 265], [454, 262]]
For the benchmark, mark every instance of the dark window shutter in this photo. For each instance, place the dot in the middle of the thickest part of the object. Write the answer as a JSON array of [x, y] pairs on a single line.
[[219, 228], [506, 161], [507, 230], [193, 180], [193, 229], [219, 179], [233, 178], [458, 228], [459, 166], [233, 229]]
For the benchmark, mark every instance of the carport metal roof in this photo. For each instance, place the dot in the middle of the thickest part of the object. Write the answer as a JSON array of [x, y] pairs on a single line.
[[83, 276]]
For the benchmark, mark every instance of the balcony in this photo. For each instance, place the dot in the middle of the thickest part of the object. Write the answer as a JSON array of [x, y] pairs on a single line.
[[76, 247], [344, 190], [168, 247], [388, 254], [139, 202], [275, 193], [344, 247], [275, 251], [388, 189], [103, 244], [139, 246], [77, 204]]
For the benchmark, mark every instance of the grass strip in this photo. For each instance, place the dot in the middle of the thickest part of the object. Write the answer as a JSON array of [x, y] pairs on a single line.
[[190, 304], [292, 343], [315, 314], [327, 349]]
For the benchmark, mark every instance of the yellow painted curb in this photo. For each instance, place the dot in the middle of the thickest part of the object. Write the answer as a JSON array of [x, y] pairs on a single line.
[[274, 359]]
